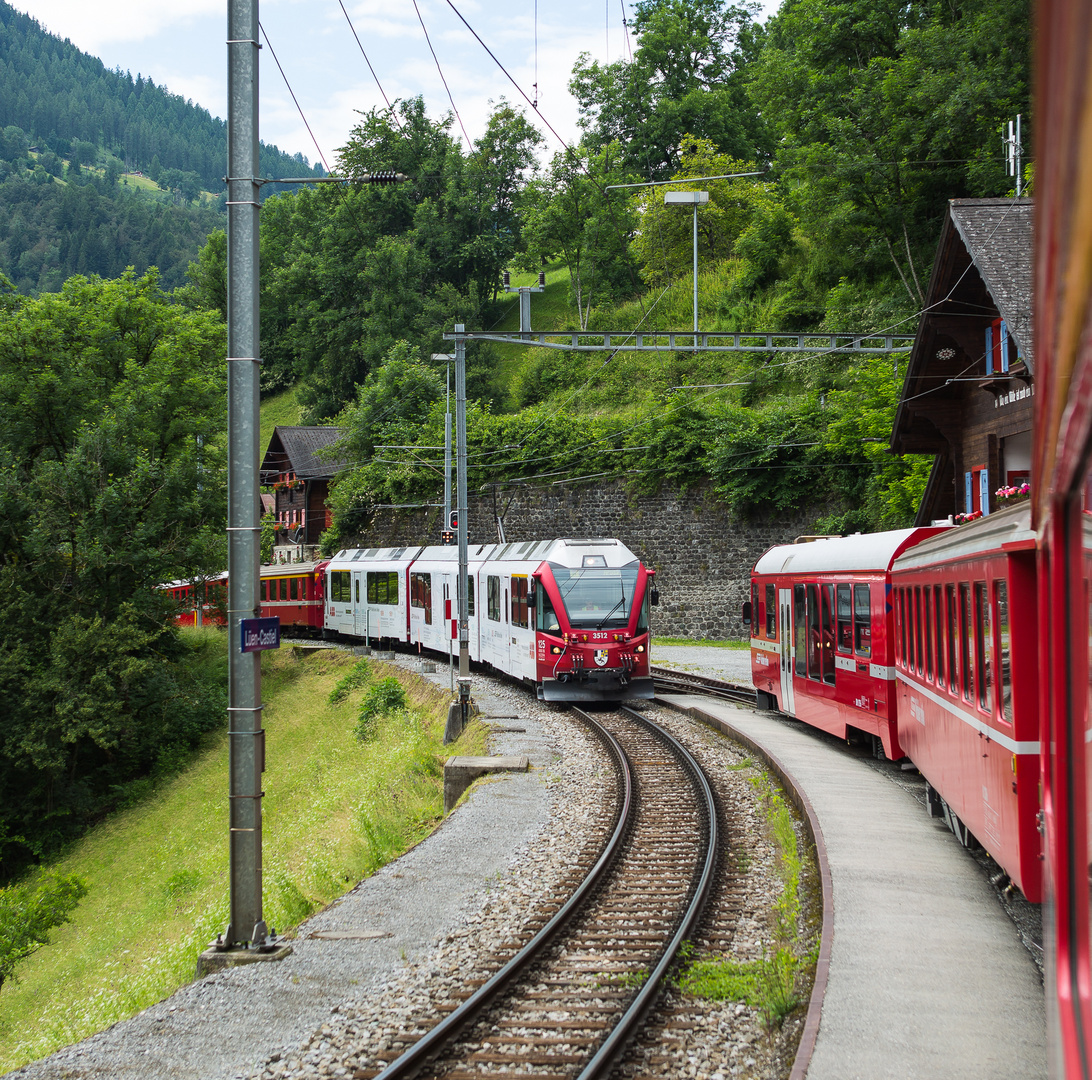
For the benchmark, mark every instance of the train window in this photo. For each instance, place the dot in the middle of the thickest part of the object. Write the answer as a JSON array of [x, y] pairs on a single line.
[[356, 582], [492, 598], [826, 595], [800, 629], [771, 612], [845, 619], [927, 631], [862, 621], [294, 589], [938, 629], [547, 617], [469, 597], [757, 613], [982, 640], [339, 587], [421, 594], [965, 623], [815, 670], [519, 600], [1001, 598], [382, 587], [910, 629], [952, 635], [265, 591], [900, 614], [284, 588]]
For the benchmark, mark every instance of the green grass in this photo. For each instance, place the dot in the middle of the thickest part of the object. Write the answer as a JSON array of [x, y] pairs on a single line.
[[770, 983], [336, 809], [278, 409]]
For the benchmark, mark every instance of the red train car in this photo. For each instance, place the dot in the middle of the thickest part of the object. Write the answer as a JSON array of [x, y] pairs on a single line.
[[1062, 512], [295, 593], [211, 609], [822, 644], [967, 684]]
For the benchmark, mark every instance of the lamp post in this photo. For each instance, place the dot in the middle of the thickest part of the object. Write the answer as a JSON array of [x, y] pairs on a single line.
[[695, 199]]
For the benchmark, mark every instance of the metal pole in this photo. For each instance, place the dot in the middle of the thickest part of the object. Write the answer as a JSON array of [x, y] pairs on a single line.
[[246, 737], [460, 434], [447, 455], [695, 275], [1019, 162]]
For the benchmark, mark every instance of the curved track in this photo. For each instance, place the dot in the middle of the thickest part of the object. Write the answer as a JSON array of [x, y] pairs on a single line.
[[670, 680], [566, 1004]]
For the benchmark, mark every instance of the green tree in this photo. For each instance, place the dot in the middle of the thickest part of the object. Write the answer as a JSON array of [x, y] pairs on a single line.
[[687, 74], [29, 912]]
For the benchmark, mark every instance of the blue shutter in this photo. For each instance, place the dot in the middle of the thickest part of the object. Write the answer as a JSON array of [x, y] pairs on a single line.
[[984, 491], [968, 481], [989, 351], [1004, 346]]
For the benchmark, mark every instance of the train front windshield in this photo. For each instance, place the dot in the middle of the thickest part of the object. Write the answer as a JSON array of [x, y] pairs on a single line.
[[597, 597]]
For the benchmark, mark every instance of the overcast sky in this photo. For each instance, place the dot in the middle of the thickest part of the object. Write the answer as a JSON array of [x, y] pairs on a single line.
[[181, 47]]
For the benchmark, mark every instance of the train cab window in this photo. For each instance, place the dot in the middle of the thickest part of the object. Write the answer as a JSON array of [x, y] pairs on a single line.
[[938, 630], [547, 617], [815, 643], [862, 621], [982, 647], [294, 589], [519, 600], [927, 630], [800, 629], [845, 619], [966, 622], [771, 612], [421, 594], [492, 598], [826, 596], [1004, 676]]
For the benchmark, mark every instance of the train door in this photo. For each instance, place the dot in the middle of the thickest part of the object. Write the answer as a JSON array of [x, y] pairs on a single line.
[[784, 604], [360, 604]]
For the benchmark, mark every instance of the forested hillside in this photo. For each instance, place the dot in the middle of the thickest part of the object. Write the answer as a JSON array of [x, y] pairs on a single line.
[[70, 131]]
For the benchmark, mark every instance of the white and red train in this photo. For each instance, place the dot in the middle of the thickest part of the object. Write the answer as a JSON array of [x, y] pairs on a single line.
[[570, 617], [924, 641]]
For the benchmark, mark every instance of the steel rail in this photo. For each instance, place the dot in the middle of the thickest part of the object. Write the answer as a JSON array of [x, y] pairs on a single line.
[[409, 1061], [613, 1046], [705, 684]]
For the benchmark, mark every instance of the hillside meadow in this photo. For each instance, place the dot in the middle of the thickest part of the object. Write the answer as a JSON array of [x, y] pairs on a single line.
[[336, 809]]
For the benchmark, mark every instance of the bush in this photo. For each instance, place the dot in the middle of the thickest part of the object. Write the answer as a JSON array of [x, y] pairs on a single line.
[[385, 697], [29, 912], [358, 676]]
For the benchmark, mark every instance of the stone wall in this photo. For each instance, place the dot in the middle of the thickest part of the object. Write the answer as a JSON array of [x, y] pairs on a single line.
[[702, 554]]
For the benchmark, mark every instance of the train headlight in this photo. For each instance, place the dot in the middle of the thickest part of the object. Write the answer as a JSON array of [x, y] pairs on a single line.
[[556, 650], [639, 649]]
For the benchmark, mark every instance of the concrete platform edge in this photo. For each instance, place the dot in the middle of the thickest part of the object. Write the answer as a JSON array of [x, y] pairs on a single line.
[[799, 799]]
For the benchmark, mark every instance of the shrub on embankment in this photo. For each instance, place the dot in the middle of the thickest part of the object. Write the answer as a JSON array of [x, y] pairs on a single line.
[[336, 809]]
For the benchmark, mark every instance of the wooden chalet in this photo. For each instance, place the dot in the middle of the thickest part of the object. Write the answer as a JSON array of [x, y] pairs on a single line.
[[967, 397], [300, 476]]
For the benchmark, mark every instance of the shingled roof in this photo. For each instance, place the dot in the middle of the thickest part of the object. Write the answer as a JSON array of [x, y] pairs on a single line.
[[997, 236], [295, 449]]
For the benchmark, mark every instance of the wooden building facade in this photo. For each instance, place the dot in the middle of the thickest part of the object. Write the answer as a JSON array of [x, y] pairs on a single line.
[[967, 396], [300, 474]]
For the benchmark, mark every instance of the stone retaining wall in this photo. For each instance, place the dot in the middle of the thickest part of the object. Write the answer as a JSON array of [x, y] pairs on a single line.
[[702, 554]]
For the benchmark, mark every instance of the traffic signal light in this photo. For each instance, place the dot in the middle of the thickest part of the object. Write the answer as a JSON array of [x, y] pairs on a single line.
[[453, 521]]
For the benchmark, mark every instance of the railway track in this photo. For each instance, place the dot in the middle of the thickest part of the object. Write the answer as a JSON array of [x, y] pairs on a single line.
[[566, 1004], [670, 680]]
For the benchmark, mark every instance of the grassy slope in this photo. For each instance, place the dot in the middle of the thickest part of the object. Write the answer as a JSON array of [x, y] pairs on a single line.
[[278, 409], [335, 809]]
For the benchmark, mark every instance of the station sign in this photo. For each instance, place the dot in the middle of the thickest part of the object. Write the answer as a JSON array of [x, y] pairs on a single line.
[[258, 634]]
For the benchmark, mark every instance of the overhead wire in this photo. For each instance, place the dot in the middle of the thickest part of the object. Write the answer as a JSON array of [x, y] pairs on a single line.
[[390, 107], [436, 60]]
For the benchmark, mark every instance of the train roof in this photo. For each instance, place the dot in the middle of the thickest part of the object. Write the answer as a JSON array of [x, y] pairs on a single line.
[[563, 551], [269, 569], [865, 552], [1008, 526]]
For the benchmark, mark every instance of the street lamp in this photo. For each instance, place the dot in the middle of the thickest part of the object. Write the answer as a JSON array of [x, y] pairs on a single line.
[[695, 199]]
